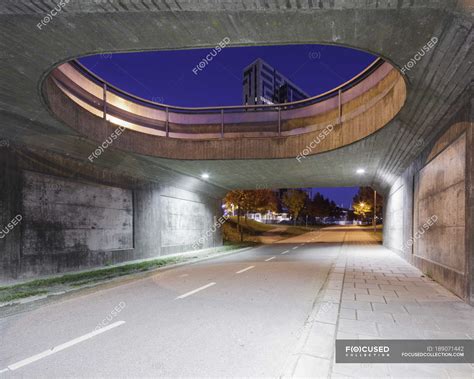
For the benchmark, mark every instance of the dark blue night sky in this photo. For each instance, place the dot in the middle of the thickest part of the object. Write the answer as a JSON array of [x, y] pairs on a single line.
[[167, 76]]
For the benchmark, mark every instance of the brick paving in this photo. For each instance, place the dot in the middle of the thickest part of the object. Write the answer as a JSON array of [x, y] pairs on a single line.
[[371, 293], [384, 297]]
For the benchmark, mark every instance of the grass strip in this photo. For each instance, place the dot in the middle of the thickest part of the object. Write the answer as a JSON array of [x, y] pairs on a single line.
[[42, 286]]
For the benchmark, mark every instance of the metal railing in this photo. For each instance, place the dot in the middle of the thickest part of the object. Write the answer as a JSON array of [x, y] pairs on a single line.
[[107, 108]]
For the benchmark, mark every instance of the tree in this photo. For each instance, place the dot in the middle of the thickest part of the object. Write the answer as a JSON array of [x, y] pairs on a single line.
[[295, 201], [366, 195], [244, 201], [262, 201], [362, 209], [320, 207], [237, 201]]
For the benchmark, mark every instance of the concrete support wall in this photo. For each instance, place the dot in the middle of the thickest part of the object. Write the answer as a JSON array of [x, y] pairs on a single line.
[[90, 220], [428, 211], [440, 197]]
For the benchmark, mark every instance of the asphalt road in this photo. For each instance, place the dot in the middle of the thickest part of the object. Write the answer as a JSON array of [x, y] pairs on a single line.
[[239, 315]]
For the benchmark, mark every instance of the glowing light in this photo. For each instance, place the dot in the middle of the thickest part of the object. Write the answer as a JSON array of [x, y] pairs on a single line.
[[360, 171], [205, 176]]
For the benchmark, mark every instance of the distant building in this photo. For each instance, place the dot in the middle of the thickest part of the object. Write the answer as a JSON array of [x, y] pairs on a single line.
[[263, 84]]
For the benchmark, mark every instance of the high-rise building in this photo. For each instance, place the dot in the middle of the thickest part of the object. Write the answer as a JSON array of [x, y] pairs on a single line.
[[263, 84]]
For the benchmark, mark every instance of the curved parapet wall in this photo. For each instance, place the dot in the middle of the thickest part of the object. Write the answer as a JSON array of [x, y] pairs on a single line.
[[325, 122]]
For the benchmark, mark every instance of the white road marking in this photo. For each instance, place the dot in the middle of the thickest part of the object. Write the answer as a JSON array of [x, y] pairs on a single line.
[[196, 290], [295, 247], [245, 269], [184, 275], [63, 346], [269, 259], [286, 251], [4, 370]]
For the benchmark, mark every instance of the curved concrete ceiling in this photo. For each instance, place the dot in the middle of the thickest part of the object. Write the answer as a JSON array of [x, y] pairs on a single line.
[[394, 30]]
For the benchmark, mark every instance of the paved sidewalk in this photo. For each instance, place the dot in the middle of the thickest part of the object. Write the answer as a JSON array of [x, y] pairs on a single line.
[[384, 297], [371, 293]]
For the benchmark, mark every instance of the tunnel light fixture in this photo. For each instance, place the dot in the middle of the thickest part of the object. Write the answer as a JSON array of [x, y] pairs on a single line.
[[205, 175], [360, 171]]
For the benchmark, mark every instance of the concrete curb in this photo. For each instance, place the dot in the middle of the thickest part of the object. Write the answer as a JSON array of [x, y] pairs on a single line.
[[314, 353], [30, 303]]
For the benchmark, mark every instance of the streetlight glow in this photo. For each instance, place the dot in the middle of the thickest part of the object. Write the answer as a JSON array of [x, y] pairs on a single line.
[[360, 171]]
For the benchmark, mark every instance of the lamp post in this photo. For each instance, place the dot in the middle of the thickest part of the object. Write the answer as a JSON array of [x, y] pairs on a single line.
[[374, 221]]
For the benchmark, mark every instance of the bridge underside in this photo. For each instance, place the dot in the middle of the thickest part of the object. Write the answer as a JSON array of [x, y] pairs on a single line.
[[129, 206]]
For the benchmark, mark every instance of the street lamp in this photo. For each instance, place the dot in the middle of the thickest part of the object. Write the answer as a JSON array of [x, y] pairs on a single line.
[[374, 221]]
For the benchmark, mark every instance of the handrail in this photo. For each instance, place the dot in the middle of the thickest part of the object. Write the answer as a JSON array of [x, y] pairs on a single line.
[[276, 107]]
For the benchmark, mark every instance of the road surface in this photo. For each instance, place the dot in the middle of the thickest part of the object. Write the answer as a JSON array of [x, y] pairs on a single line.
[[238, 315]]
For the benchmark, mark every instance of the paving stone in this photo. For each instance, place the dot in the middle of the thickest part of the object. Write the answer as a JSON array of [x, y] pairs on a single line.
[[377, 281], [389, 308], [374, 291], [363, 291], [312, 367], [388, 287], [320, 341], [417, 370], [395, 331], [360, 327], [401, 300], [370, 298], [366, 285], [364, 305], [374, 316], [359, 370], [347, 313], [458, 370], [348, 296]]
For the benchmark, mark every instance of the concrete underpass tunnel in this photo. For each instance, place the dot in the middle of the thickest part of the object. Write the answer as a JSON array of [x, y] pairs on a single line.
[[121, 177]]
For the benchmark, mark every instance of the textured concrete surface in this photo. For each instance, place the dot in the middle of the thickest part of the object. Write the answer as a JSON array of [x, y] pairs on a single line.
[[436, 186], [278, 318], [62, 216], [441, 192], [72, 223], [391, 29]]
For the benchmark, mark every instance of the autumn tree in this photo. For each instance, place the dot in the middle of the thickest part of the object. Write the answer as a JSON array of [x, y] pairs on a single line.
[[366, 195], [245, 201], [362, 209], [295, 201]]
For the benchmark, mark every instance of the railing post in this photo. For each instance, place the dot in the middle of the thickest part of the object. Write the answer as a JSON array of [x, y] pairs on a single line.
[[222, 123], [104, 105], [279, 121], [340, 106], [167, 122]]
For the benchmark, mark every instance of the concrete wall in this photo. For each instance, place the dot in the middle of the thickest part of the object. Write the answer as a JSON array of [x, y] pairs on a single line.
[[428, 211], [63, 216], [70, 223], [440, 195]]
